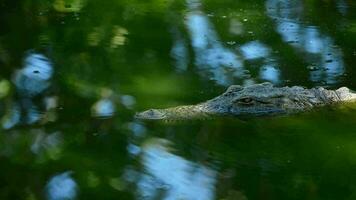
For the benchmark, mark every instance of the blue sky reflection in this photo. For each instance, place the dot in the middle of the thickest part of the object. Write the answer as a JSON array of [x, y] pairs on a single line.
[[177, 177], [321, 50]]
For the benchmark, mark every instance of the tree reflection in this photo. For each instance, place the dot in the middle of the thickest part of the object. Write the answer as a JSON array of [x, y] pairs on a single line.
[[210, 53], [168, 176], [321, 51], [255, 50], [227, 66], [115, 59], [213, 59], [62, 187], [30, 81]]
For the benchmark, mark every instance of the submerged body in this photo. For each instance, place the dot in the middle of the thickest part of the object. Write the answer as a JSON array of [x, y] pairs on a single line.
[[254, 101]]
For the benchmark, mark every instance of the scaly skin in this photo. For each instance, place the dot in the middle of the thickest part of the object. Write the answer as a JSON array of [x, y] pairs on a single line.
[[254, 101]]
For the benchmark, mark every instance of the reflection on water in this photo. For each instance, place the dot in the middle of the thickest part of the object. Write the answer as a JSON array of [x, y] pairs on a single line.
[[68, 6], [51, 105], [223, 65], [73, 109], [236, 27], [270, 73], [47, 145], [342, 6], [210, 53], [99, 34], [105, 106], [137, 129], [256, 50], [119, 37], [324, 56], [170, 177], [5, 88], [128, 101], [30, 81], [62, 187], [35, 75], [12, 117], [179, 51]]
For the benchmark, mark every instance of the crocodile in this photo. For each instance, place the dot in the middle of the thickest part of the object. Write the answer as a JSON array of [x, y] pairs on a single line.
[[255, 100]]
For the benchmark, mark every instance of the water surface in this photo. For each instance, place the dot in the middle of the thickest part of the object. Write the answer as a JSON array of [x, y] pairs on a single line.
[[73, 74]]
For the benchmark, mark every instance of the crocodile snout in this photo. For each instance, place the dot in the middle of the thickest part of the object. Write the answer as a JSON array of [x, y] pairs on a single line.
[[151, 114]]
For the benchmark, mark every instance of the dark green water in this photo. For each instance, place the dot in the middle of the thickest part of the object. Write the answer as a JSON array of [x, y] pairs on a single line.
[[73, 73]]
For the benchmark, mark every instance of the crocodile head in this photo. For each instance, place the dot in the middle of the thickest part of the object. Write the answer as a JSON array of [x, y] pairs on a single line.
[[253, 101], [154, 114]]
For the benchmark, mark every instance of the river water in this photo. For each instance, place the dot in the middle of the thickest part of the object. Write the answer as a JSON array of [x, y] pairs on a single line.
[[74, 73]]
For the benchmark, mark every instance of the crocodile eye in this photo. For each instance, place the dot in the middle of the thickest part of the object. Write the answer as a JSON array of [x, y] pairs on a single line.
[[245, 101]]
